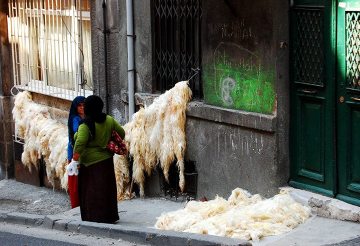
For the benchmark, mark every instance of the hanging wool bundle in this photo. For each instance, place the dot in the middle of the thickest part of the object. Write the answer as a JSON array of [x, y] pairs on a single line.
[[30, 155], [157, 134], [242, 216], [122, 177], [25, 114], [42, 136], [18, 112]]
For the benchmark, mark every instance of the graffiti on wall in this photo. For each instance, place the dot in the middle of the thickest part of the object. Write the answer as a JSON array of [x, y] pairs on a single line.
[[238, 62], [236, 79]]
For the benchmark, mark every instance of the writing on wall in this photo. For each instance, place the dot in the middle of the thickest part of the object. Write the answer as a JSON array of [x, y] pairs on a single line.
[[235, 30]]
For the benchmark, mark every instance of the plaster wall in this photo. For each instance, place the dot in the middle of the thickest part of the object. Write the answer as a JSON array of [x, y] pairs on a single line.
[[112, 28], [231, 146], [232, 149], [228, 157]]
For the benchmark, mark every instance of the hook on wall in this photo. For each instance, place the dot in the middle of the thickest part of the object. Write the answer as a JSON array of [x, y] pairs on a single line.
[[12, 90], [196, 72]]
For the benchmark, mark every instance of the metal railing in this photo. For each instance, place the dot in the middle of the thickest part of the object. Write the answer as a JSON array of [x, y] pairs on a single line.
[[51, 46]]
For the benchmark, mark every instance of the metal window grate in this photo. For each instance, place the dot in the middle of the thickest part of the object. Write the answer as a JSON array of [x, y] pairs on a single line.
[[309, 47], [177, 43], [51, 46], [353, 49]]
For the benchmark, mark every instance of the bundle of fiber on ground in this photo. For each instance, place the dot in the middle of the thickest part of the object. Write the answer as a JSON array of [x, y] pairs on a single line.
[[241, 216], [156, 134], [43, 137]]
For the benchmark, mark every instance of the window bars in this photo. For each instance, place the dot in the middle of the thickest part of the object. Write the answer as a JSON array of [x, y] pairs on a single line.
[[50, 41], [309, 47], [353, 50], [176, 26]]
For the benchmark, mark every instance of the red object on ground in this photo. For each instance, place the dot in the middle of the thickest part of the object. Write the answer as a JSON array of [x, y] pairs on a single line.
[[73, 191]]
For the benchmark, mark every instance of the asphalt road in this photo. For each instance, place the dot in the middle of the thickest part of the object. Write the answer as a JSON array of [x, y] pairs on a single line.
[[352, 242], [12, 239]]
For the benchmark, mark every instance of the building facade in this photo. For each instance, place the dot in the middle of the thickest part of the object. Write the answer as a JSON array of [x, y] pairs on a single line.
[[253, 56]]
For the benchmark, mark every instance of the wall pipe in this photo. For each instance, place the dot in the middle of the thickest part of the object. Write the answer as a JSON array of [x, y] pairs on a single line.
[[131, 60], [105, 32]]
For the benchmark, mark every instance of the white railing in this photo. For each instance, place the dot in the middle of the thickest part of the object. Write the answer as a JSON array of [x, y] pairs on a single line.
[[51, 46]]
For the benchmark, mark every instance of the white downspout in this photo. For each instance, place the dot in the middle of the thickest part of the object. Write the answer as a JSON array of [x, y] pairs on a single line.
[[131, 60]]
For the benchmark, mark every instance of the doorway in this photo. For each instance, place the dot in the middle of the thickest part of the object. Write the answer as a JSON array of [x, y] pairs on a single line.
[[325, 98]]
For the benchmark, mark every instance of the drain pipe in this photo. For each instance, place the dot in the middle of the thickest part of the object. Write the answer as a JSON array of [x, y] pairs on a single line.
[[131, 61], [105, 32]]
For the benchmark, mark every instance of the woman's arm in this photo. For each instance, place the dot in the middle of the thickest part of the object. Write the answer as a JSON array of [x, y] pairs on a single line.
[[81, 140], [76, 123], [118, 128]]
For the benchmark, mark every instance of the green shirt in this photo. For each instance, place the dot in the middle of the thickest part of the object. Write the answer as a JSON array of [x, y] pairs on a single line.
[[93, 150]]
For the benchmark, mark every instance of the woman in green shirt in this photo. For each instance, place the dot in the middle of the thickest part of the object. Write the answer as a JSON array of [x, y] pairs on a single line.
[[97, 183]]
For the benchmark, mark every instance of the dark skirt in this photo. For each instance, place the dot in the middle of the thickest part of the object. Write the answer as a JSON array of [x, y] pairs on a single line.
[[97, 192]]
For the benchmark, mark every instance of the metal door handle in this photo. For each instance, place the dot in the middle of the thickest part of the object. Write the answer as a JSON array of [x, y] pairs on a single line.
[[355, 98], [308, 91]]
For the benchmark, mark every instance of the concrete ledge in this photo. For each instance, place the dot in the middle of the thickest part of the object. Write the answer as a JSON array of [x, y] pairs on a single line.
[[246, 119], [74, 226], [334, 209], [182, 238], [48, 222], [3, 215], [58, 222], [147, 235], [199, 109], [62, 225], [25, 219], [93, 228], [326, 206]]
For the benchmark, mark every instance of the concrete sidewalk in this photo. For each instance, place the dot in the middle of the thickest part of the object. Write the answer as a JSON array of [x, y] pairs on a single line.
[[138, 216], [137, 220]]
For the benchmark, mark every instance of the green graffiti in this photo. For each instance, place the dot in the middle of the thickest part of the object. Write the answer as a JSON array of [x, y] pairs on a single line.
[[239, 87]]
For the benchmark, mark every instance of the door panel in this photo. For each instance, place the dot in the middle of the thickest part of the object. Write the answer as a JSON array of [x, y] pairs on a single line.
[[312, 96], [312, 135], [348, 103]]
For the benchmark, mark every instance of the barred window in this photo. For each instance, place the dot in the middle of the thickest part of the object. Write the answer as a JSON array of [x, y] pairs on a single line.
[[176, 26], [51, 46]]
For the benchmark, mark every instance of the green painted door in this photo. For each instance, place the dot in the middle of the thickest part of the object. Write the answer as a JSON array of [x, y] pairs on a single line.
[[348, 101], [313, 95], [325, 97]]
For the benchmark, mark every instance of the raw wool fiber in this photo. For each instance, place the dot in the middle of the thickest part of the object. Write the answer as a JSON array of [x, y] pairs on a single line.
[[156, 134], [42, 136], [242, 216], [122, 177]]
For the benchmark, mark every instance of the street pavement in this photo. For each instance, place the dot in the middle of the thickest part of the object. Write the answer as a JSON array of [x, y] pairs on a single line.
[[42, 207]]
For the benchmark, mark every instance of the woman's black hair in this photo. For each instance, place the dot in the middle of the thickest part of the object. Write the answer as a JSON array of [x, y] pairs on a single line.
[[73, 112], [93, 112]]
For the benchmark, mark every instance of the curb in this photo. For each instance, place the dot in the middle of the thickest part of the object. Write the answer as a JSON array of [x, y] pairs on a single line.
[[128, 233], [326, 206], [22, 218]]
